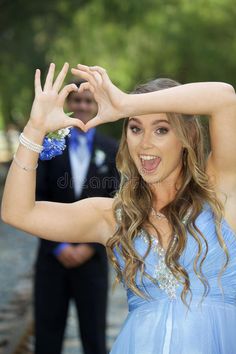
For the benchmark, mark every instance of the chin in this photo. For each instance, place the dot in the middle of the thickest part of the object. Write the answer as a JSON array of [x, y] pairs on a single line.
[[152, 179]]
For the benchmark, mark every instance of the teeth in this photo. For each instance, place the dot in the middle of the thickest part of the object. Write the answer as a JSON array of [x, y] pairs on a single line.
[[148, 157]]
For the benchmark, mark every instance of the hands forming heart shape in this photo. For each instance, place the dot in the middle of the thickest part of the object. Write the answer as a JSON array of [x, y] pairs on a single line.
[[47, 112]]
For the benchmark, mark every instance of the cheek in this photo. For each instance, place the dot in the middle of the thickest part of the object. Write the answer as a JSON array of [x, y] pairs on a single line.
[[171, 144], [132, 143], [71, 105], [133, 140], [174, 156], [171, 152], [93, 108]]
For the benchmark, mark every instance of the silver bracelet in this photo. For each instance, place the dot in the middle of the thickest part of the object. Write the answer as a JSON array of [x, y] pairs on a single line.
[[22, 166], [30, 144]]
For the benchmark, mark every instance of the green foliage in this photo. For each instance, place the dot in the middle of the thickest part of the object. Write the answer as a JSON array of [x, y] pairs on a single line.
[[134, 40]]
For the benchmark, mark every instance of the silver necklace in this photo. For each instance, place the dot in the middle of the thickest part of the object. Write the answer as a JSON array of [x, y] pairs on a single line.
[[157, 214]]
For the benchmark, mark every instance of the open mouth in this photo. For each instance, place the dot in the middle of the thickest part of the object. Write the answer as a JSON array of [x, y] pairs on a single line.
[[149, 162]]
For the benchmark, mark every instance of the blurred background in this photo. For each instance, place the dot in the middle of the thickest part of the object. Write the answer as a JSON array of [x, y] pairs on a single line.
[[135, 41]]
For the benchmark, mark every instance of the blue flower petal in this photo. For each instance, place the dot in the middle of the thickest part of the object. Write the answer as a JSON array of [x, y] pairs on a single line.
[[52, 147]]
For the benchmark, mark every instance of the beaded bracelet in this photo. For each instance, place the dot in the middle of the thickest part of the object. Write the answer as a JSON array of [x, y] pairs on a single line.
[[30, 144]]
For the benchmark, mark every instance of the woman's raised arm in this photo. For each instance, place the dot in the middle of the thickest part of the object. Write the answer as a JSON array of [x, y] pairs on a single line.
[[216, 99], [19, 207]]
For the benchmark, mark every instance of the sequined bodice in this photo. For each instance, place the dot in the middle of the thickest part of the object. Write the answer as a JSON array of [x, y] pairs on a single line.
[[169, 288], [160, 272]]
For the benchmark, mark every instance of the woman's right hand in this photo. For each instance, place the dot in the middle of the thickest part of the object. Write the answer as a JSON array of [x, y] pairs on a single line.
[[47, 114]]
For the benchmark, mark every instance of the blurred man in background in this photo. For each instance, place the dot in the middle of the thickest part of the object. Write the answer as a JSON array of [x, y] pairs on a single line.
[[74, 271]]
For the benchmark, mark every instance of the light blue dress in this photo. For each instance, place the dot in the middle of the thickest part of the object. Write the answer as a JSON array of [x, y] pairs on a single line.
[[163, 325]]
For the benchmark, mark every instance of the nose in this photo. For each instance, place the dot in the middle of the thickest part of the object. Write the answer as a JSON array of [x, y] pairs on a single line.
[[146, 141], [83, 106]]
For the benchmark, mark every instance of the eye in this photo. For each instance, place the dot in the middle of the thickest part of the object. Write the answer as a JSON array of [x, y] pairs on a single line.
[[162, 131], [134, 129]]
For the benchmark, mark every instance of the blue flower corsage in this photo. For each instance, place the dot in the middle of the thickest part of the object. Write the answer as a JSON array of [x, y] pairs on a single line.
[[54, 144]]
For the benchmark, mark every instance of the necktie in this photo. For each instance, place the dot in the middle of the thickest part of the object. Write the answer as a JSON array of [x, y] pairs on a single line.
[[80, 159], [82, 149]]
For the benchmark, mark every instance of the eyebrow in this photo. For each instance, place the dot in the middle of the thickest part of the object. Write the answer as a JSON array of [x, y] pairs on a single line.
[[157, 121]]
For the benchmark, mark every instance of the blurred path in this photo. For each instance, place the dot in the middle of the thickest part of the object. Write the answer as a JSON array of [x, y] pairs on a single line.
[[17, 255]]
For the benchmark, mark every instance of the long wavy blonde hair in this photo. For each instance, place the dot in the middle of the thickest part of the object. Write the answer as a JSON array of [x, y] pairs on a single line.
[[134, 201]]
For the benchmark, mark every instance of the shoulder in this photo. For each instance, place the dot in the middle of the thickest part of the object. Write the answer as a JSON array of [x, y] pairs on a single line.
[[103, 208]]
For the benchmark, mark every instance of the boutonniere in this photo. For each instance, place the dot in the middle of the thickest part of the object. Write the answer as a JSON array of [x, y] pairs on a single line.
[[99, 157]]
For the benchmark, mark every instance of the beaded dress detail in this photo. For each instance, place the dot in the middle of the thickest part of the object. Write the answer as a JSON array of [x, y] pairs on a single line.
[[162, 273], [166, 280]]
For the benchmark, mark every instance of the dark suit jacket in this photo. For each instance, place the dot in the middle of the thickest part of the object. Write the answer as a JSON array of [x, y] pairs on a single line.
[[54, 183]]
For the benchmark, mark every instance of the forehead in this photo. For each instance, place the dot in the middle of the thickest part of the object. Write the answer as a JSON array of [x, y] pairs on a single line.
[[85, 95], [150, 119]]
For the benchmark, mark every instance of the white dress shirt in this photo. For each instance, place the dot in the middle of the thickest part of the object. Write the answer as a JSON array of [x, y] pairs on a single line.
[[79, 160]]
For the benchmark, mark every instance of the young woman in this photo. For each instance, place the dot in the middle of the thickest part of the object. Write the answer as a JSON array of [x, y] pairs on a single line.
[[170, 230]]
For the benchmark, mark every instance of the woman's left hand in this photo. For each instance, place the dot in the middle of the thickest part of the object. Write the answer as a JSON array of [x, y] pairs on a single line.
[[111, 100]]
